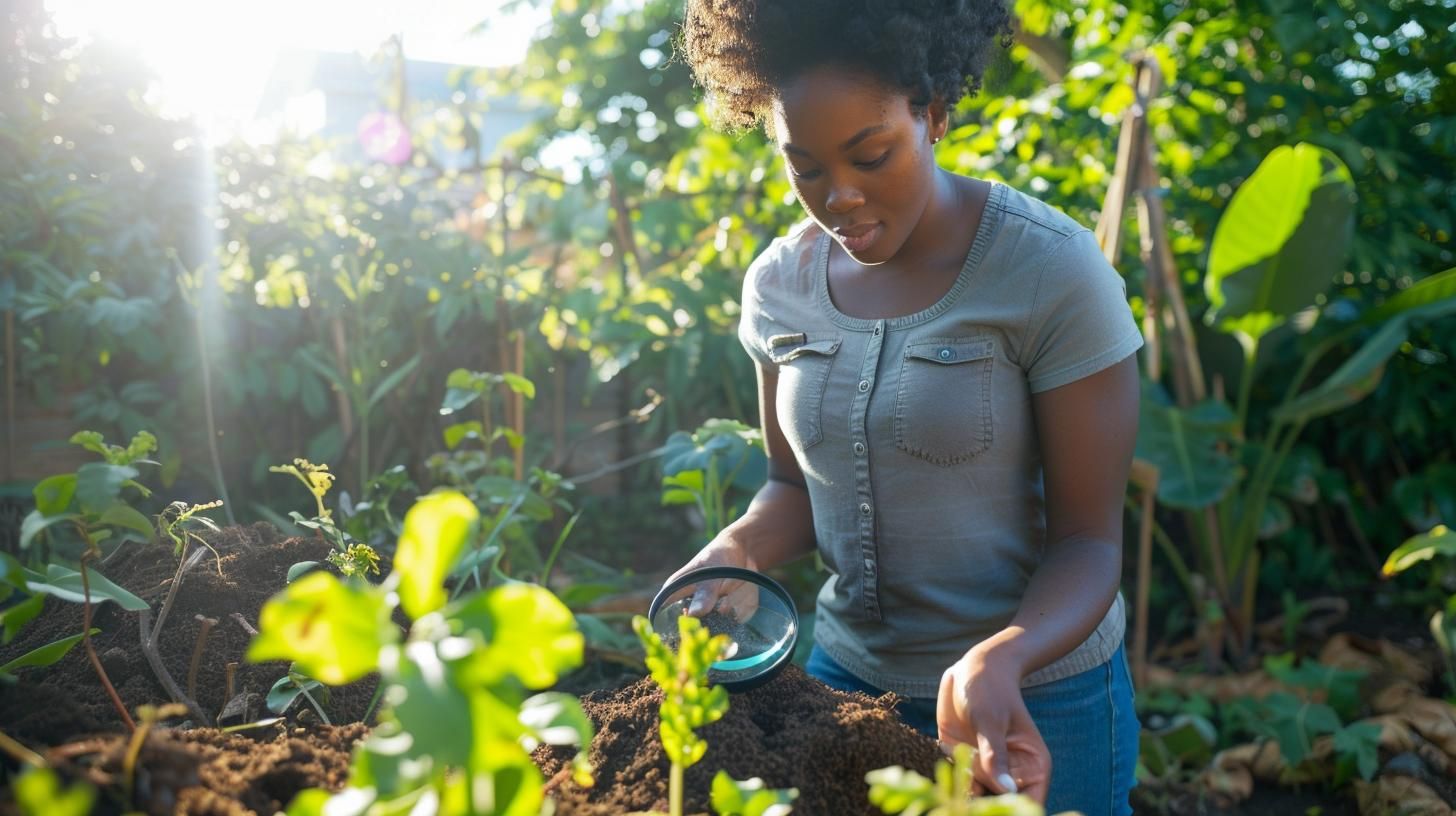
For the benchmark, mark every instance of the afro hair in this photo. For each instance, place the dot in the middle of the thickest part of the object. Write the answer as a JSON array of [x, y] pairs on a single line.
[[743, 51]]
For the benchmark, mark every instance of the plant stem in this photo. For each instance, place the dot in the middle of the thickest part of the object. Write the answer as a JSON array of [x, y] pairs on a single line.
[[556, 549], [17, 749], [154, 659], [373, 701], [91, 649], [674, 790]]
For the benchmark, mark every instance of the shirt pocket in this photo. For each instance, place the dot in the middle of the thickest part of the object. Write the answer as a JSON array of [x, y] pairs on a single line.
[[803, 373], [943, 405]]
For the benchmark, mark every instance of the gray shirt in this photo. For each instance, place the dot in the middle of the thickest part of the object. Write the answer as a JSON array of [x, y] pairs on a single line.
[[916, 437]]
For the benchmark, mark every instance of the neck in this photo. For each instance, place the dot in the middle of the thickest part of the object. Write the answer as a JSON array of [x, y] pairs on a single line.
[[943, 212]]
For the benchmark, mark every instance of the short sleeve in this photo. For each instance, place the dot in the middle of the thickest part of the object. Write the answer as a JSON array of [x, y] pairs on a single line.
[[1080, 321], [750, 319]]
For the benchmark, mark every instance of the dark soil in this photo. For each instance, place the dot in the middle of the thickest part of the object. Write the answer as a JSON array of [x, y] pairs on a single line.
[[793, 732], [205, 772], [59, 703], [193, 770]]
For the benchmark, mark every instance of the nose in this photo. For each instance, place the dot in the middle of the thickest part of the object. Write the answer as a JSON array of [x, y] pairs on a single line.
[[843, 198]]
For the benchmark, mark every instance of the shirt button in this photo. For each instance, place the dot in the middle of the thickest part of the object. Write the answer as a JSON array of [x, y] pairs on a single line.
[[864, 509], [864, 385], [859, 449], [869, 564], [946, 354], [877, 331]]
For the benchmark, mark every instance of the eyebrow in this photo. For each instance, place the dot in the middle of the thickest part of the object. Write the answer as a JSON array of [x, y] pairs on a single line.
[[851, 142]]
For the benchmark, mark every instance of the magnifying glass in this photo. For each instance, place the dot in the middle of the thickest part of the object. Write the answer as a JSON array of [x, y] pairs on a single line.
[[752, 609]]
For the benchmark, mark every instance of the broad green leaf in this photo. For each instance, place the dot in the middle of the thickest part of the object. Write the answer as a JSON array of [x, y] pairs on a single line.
[[98, 484], [124, 515], [53, 495], [1184, 445], [435, 530], [38, 792], [556, 718], [65, 583], [1187, 741], [35, 522], [332, 630], [284, 692], [1441, 540], [298, 570], [1438, 288], [17, 616], [45, 655], [1362, 741], [527, 633], [519, 384], [1281, 241], [1352, 381]]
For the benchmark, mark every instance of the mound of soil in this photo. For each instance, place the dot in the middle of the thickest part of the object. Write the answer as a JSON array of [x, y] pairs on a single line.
[[793, 732], [205, 772], [65, 701]]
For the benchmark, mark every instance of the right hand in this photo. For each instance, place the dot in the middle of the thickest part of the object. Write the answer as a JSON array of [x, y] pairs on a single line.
[[729, 596]]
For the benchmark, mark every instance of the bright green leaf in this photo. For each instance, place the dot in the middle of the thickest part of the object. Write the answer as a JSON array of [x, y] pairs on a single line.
[[45, 655], [435, 530], [332, 630]]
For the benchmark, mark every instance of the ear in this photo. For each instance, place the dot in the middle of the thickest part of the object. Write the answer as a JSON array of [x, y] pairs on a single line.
[[937, 119]]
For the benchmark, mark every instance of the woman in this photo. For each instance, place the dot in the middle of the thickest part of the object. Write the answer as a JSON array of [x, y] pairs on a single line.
[[948, 391]]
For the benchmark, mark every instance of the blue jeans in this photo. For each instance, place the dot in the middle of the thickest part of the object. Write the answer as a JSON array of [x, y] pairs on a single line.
[[1087, 721]]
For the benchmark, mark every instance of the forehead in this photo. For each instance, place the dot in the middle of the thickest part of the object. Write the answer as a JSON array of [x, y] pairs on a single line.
[[826, 106]]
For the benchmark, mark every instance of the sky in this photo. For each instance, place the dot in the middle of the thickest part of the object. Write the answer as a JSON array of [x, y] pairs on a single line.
[[212, 58]]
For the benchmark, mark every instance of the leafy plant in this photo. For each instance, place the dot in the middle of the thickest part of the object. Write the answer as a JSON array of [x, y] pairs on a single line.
[[688, 701], [352, 559], [294, 685], [89, 502], [1441, 540], [898, 790], [177, 523], [1324, 700], [703, 467], [1287, 227], [457, 722]]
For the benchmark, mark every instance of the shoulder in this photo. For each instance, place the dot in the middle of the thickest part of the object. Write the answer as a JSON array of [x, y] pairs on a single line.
[[1037, 219], [786, 265]]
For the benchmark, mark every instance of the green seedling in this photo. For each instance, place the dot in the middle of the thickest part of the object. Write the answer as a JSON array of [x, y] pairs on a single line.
[[688, 701], [91, 503], [39, 792], [294, 685], [456, 723], [178, 521], [351, 558], [898, 790]]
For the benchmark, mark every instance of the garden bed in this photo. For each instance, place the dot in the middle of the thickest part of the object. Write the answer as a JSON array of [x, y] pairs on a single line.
[[792, 733]]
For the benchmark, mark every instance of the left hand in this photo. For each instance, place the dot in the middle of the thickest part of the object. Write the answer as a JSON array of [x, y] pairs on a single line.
[[980, 704]]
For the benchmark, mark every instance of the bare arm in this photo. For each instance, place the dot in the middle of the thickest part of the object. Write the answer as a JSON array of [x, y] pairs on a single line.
[[778, 526], [1087, 431]]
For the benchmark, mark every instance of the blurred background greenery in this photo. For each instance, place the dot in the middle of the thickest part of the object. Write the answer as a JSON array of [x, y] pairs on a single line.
[[569, 220]]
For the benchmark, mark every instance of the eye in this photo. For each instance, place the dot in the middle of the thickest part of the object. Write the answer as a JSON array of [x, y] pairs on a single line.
[[805, 176], [870, 165]]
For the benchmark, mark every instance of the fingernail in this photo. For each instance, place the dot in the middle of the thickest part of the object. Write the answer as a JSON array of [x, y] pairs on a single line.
[[1006, 782]]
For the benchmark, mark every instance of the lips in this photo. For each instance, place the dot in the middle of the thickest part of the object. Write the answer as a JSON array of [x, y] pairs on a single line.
[[859, 237]]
